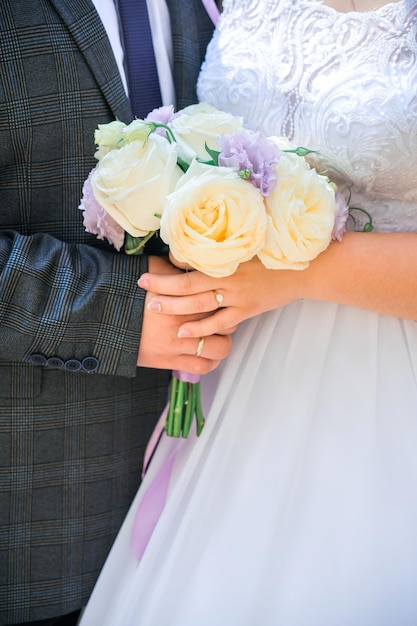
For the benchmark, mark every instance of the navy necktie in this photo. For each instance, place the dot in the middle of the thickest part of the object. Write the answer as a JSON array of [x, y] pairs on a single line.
[[142, 75]]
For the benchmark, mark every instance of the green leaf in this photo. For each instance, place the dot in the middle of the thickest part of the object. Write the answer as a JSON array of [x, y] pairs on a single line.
[[182, 164], [214, 154]]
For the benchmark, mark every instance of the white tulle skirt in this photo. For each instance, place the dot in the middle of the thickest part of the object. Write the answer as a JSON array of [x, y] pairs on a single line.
[[298, 503]]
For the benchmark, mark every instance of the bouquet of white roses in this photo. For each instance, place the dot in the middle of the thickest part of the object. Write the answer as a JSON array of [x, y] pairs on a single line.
[[217, 194]]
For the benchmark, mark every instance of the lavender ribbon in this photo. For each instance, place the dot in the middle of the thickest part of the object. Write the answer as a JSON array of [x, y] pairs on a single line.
[[151, 507], [153, 501], [212, 10], [186, 377]]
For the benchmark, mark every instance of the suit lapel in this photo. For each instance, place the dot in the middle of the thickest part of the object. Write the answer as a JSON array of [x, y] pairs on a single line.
[[85, 26], [191, 31]]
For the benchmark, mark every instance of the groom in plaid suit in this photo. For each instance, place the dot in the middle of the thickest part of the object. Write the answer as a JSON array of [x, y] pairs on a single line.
[[75, 410]]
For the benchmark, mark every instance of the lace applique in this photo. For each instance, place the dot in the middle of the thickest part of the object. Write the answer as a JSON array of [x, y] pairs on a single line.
[[344, 84]]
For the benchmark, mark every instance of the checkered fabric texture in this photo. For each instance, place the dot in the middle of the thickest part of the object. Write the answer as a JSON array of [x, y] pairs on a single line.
[[71, 443]]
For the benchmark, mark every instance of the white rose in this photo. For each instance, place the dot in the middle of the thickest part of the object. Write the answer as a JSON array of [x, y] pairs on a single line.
[[300, 212], [131, 184], [199, 124], [213, 220]]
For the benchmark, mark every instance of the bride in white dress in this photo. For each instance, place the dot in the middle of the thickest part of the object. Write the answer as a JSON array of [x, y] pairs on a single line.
[[298, 503]]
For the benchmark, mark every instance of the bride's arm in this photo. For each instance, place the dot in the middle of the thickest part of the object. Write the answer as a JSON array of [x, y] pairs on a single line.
[[375, 271]]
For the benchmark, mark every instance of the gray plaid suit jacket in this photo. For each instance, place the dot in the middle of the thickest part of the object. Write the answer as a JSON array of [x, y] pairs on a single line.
[[75, 412]]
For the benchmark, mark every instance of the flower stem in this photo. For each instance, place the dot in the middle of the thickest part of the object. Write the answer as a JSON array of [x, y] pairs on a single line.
[[169, 424], [368, 227], [198, 410], [189, 411], [184, 404], [178, 409], [137, 247]]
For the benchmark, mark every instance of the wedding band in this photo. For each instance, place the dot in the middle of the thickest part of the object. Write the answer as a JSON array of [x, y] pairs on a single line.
[[200, 346], [219, 298]]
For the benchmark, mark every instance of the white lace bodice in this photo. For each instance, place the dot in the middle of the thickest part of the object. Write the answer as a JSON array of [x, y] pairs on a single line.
[[344, 84]]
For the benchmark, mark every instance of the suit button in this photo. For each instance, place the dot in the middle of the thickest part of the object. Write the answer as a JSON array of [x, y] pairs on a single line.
[[89, 364], [72, 365], [37, 359], [55, 362]]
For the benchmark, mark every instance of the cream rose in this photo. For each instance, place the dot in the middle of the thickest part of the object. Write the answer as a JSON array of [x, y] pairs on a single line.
[[300, 213], [131, 184], [213, 220], [199, 124]]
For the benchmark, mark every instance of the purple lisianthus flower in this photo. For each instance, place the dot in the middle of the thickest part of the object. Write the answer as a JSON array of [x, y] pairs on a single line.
[[161, 115], [96, 220], [342, 214], [254, 154]]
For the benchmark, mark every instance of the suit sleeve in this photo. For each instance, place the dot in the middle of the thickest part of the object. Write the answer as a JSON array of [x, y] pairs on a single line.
[[69, 302]]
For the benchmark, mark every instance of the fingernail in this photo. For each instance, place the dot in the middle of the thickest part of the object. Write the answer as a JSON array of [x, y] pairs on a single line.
[[144, 283], [154, 306], [182, 334]]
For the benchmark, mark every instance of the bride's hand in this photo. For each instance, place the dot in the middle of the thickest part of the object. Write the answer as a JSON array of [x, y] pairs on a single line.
[[251, 290]]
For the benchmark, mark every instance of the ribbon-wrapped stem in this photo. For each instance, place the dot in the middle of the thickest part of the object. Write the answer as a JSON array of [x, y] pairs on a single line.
[[184, 405]]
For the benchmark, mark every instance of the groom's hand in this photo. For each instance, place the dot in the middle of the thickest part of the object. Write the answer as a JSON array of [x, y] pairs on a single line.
[[160, 345]]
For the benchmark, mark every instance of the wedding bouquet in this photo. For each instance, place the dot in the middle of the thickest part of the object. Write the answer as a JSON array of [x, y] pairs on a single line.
[[217, 194]]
